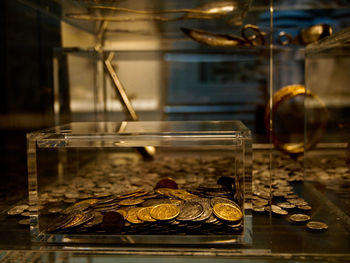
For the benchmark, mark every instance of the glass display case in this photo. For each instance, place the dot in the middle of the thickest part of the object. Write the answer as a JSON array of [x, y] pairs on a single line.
[[190, 184]]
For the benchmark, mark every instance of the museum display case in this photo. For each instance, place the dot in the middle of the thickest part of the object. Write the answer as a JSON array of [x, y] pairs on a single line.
[[186, 170], [241, 100]]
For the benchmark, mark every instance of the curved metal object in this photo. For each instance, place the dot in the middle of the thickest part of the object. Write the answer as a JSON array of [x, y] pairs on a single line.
[[213, 39], [227, 40], [232, 11], [307, 35], [285, 94]]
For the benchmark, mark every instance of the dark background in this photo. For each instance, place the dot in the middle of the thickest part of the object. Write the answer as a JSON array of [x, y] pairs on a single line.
[[27, 41]]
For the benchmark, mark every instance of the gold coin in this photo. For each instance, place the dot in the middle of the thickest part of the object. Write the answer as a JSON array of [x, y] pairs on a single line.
[[164, 191], [182, 194], [164, 211], [142, 193], [122, 212], [131, 202], [132, 215], [76, 220], [176, 201], [227, 212], [90, 201], [144, 214], [130, 194]]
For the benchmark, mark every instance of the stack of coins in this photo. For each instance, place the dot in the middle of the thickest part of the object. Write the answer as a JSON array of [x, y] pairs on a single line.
[[160, 211]]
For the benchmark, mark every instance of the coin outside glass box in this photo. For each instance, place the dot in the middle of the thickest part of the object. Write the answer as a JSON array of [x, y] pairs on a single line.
[[173, 182]]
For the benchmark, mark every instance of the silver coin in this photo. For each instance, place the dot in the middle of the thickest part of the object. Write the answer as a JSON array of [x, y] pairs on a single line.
[[155, 201], [317, 226], [189, 210], [98, 218], [207, 210], [211, 220]]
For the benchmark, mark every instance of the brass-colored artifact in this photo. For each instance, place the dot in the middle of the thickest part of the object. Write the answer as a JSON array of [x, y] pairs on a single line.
[[232, 12], [228, 40], [306, 36], [285, 94]]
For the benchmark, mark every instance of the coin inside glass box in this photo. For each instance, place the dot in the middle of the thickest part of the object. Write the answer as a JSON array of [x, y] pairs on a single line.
[[141, 182]]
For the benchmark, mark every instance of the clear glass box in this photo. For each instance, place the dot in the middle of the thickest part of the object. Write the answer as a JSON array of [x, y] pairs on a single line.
[[85, 161]]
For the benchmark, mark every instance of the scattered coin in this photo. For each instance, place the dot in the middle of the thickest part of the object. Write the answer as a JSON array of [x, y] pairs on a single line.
[[258, 209], [299, 218], [276, 210], [316, 226], [26, 214], [17, 210], [25, 222], [286, 205], [304, 207]]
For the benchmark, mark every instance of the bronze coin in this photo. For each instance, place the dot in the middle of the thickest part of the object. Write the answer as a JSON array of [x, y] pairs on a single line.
[[166, 183], [113, 222], [317, 226], [299, 218]]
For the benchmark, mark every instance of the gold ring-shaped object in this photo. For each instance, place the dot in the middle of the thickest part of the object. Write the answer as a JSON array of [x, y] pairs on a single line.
[[285, 94]]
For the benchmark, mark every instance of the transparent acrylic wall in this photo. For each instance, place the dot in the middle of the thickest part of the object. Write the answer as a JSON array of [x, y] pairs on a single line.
[[82, 161], [327, 111]]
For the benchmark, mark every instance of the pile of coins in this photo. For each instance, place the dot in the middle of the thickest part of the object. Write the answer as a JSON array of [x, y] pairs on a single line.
[[161, 211]]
